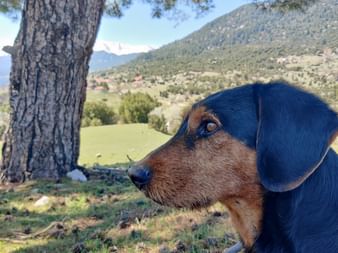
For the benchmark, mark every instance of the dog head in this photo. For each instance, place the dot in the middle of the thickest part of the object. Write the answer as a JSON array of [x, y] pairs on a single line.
[[271, 136]]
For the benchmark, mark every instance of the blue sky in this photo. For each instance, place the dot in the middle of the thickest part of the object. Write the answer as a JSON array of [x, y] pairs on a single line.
[[137, 27]]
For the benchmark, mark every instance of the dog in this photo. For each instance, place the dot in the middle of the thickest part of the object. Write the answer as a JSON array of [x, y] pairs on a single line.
[[262, 150]]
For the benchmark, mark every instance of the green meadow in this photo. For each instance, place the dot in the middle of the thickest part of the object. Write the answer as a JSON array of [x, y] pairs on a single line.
[[107, 213], [109, 145], [112, 144]]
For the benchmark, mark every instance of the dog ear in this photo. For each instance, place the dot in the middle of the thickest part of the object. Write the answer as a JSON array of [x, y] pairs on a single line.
[[294, 133]]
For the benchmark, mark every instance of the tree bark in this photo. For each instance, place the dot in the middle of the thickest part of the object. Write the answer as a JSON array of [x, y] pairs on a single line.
[[47, 88]]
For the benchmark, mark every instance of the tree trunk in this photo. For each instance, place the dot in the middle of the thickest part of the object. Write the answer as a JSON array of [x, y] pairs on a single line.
[[47, 88]]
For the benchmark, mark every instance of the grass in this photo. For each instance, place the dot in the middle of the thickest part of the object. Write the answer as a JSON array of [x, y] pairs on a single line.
[[111, 144], [111, 99], [92, 213], [114, 143]]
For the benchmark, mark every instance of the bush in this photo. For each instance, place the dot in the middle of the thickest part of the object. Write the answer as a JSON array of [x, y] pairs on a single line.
[[158, 123], [135, 107], [2, 130], [96, 122], [104, 85], [98, 114]]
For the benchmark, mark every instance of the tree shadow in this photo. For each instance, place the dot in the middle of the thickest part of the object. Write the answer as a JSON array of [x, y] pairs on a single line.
[[91, 211]]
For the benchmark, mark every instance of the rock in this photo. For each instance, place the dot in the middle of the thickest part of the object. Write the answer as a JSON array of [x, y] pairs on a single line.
[[8, 218], [163, 249], [77, 175], [141, 246], [79, 248], [75, 230], [44, 200], [10, 190], [25, 212], [108, 242], [194, 227], [27, 230], [180, 246], [3, 201], [98, 234], [135, 234], [113, 249], [211, 242], [56, 233]]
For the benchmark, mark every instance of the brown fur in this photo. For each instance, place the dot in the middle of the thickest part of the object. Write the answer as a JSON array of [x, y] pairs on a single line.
[[333, 138], [218, 168]]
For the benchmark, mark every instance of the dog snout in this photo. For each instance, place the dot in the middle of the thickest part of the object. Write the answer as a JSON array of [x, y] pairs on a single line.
[[140, 175]]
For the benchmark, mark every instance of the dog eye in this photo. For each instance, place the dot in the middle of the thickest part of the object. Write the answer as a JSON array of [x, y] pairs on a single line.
[[210, 127], [207, 128]]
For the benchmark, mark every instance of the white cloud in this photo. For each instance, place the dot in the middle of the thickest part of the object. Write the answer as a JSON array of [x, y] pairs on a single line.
[[121, 48], [100, 45]]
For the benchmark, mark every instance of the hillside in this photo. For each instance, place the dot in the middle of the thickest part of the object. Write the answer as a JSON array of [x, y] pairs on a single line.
[[249, 35], [102, 60], [246, 45]]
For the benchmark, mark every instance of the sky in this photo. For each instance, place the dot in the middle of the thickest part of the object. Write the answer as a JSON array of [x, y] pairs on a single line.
[[137, 27]]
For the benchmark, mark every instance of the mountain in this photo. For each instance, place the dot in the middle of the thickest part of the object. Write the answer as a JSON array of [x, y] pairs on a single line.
[[102, 60], [118, 48], [106, 55], [249, 38]]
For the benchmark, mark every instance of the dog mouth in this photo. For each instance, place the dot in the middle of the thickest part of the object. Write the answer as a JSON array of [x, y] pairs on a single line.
[[172, 201]]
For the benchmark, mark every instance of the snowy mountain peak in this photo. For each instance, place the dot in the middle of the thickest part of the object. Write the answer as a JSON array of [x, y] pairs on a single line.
[[120, 48]]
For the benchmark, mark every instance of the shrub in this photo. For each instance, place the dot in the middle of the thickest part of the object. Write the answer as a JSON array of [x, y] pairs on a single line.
[[97, 114], [104, 85], [85, 122], [2, 130], [158, 123], [135, 107], [96, 122]]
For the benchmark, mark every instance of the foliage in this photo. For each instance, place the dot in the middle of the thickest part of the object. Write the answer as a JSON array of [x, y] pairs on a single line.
[[169, 8], [97, 114], [247, 38], [104, 85], [135, 107], [4, 107], [285, 5], [172, 9], [2, 130], [158, 123], [10, 6]]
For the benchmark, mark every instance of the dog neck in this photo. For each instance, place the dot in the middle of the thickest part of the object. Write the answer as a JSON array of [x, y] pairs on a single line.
[[246, 213]]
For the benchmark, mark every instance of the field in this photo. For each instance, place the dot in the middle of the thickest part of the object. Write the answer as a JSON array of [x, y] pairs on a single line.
[[111, 99], [106, 215], [108, 145]]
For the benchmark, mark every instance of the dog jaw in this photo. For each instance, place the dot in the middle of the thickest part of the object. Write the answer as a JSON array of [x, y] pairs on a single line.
[[216, 168]]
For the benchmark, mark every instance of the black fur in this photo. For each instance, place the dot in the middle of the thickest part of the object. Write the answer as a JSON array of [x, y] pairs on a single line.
[[290, 130]]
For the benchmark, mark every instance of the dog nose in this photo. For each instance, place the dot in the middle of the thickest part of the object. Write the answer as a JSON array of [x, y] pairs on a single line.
[[140, 175]]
